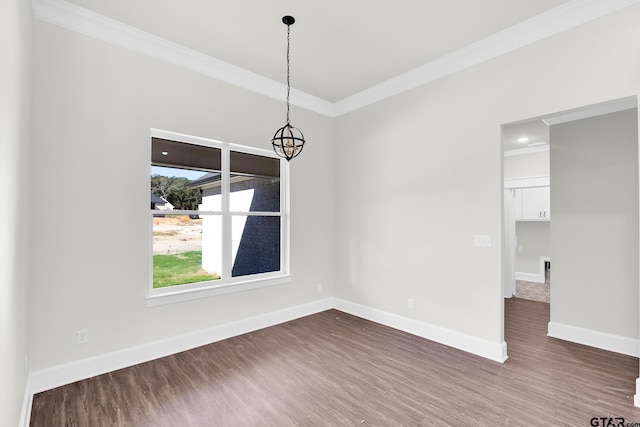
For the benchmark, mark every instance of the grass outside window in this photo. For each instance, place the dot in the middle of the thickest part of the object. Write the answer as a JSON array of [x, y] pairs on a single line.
[[178, 269]]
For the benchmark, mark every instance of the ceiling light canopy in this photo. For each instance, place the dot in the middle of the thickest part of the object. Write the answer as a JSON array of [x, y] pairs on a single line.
[[288, 141], [523, 139]]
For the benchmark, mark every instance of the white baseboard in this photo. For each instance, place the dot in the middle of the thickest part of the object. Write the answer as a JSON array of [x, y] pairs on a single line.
[[27, 401], [601, 340], [535, 277], [480, 347], [530, 277], [46, 379]]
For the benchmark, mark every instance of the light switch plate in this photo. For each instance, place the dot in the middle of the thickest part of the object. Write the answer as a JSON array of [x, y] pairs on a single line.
[[482, 241]]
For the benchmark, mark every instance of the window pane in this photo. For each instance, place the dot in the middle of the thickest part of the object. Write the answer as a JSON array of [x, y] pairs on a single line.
[[182, 173], [210, 190], [256, 244], [173, 188], [254, 194], [179, 255]]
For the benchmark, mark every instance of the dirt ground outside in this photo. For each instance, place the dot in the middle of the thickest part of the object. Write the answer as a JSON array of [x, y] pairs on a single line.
[[176, 234]]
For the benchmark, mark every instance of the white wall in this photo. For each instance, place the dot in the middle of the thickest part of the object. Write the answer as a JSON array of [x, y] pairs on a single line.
[[594, 169], [94, 106], [15, 102], [420, 173], [534, 237], [526, 165]]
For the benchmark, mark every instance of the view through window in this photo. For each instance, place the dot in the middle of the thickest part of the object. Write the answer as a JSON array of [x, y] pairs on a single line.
[[217, 214]]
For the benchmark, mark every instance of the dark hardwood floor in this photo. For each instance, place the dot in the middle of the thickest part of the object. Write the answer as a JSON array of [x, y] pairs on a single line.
[[333, 369]]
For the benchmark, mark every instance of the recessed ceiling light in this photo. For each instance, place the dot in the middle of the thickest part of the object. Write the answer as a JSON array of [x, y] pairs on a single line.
[[164, 153], [523, 139]]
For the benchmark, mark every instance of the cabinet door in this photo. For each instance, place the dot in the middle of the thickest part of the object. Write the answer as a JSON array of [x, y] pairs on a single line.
[[535, 203], [545, 202], [531, 203]]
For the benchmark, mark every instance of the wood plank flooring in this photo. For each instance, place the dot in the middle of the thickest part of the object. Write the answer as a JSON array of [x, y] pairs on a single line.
[[333, 369]]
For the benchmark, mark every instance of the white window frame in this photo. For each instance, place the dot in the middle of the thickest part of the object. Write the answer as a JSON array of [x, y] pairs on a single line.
[[226, 284]]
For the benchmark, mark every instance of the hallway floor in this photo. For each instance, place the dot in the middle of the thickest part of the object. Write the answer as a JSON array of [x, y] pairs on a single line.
[[533, 291]]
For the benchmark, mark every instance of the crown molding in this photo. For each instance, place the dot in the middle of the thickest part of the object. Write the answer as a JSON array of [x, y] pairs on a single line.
[[94, 25], [549, 23], [553, 21]]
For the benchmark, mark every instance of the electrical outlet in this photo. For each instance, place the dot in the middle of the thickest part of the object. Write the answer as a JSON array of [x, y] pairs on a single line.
[[83, 336], [411, 303], [319, 287]]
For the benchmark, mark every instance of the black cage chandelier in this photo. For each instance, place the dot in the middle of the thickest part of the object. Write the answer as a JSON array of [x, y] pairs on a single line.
[[288, 141]]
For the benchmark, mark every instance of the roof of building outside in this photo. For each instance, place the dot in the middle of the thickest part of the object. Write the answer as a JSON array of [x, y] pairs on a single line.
[[157, 199], [205, 179]]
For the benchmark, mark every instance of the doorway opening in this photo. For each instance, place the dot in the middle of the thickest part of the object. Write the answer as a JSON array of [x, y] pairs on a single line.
[[592, 182], [527, 199]]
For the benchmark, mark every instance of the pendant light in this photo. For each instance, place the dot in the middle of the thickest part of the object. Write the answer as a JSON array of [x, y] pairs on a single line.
[[288, 141]]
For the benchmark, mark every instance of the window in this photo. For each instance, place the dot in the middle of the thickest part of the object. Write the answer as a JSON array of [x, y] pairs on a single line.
[[218, 215]]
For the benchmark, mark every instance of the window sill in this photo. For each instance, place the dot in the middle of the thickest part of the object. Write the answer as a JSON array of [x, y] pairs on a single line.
[[180, 295]]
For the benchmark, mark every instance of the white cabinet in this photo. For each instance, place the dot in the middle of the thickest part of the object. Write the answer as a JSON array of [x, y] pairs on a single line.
[[533, 204]]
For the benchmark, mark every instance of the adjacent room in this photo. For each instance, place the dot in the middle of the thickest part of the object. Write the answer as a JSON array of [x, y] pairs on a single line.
[[171, 255]]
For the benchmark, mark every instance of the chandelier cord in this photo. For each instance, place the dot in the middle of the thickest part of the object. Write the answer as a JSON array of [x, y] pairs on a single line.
[[288, 78]]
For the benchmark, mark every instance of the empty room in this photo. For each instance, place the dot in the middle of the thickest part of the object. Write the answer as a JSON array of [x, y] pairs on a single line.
[[295, 213]]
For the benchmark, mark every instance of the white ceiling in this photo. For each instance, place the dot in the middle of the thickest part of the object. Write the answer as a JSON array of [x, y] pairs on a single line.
[[346, 54], [536, 130], [338, 47]]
